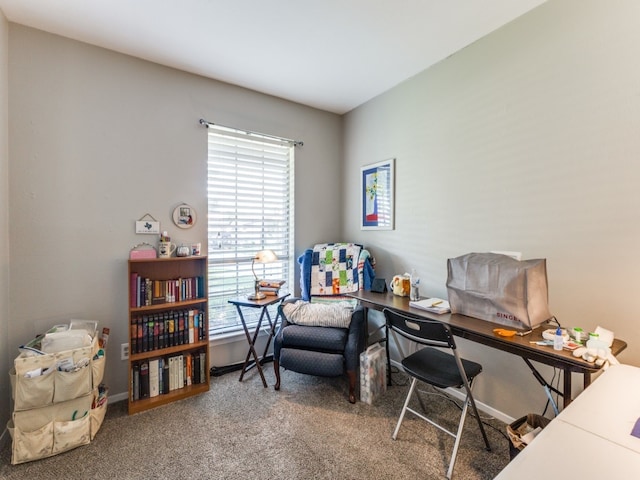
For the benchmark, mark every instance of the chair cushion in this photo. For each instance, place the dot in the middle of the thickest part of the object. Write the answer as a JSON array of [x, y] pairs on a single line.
[[314, 338], [312, 363], [336, 314], [438, 368]]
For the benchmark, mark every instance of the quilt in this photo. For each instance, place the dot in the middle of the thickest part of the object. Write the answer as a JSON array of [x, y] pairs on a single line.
[[334, 268]]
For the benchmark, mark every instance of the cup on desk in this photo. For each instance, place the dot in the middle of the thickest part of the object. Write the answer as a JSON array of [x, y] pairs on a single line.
[[166, 249]]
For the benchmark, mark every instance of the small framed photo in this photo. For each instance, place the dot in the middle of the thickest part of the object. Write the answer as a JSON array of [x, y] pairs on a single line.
[[377, 195], [184, 216]]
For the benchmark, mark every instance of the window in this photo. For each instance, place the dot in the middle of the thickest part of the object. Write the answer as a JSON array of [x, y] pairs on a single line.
[[250, 188]]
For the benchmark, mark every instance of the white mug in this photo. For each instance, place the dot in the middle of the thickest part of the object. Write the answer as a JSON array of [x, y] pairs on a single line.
[[166, 249]]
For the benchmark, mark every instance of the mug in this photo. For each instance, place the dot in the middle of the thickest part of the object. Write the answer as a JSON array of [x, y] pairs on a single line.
[[401, 285], [166, 249]]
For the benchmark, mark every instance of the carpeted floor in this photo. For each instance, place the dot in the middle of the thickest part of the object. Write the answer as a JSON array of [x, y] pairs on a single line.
[[307, 430]]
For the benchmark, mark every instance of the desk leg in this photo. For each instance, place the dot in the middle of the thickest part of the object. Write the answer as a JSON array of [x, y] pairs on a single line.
[[252, 350], [566, 396]]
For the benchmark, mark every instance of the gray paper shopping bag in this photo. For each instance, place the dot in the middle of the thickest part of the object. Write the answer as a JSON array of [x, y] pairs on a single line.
[[498, 288]]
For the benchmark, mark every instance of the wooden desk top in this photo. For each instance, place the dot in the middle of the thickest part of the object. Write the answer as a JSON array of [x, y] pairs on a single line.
[[481, 331]]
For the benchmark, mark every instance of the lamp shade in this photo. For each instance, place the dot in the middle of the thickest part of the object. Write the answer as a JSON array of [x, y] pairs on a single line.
[[265, 256]]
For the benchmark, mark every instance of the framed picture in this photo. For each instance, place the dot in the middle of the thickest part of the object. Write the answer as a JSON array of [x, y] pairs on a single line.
[[377, 196], [184, 216]]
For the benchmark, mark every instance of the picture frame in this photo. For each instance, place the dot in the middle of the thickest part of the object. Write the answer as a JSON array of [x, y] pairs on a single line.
[[377, 195], [184, 216]]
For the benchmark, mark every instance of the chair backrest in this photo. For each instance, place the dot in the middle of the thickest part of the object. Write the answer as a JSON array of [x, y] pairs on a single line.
[[426, 332]]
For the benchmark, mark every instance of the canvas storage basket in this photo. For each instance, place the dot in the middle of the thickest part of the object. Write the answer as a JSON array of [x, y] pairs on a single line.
[[373, 373], [499, 289]]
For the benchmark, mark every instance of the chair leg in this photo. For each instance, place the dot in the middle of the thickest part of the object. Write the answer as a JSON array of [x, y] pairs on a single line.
[[276, 369], [458, 437], [477, 415], [404, 408], [468, 400], [351, 375]]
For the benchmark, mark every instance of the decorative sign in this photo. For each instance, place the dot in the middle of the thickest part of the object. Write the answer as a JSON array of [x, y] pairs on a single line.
[[150, 227]]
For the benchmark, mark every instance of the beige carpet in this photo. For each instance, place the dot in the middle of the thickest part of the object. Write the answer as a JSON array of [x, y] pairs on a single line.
[[307, 430]]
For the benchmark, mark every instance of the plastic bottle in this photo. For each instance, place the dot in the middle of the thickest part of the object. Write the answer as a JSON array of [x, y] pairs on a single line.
[[595, 346], [558, 340], [415, 281]]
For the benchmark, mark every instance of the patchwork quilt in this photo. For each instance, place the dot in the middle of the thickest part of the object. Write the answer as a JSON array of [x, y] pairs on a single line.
[[334, 268]]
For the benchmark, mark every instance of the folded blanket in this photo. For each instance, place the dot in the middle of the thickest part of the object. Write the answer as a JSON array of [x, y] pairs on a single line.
[[318, 314], [334, 268], [365, 273]]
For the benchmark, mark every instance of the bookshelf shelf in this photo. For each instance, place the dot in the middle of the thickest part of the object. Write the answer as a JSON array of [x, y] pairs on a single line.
[[168, 331]]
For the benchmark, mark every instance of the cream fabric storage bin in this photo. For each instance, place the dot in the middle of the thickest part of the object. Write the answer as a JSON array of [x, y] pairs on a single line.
[[55, 386]]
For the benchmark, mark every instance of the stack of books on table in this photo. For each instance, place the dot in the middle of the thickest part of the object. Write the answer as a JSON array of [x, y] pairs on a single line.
[[270, 287]]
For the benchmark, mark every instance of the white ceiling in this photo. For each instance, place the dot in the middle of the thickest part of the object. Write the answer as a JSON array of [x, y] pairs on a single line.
[[330, 54]]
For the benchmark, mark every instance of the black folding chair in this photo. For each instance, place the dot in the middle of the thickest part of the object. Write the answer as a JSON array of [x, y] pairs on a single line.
[[433, 366]]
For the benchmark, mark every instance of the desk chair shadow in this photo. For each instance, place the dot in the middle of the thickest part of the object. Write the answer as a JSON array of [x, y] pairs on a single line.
[[434, 367]]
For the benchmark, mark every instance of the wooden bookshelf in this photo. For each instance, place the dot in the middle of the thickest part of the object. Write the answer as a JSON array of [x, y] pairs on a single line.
[[168, 319]]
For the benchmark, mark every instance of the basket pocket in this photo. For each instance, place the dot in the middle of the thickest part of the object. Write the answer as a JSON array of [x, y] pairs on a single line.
[[97, 368], [31, 445], [70, 385], [32, 392], [71, 434], [97, 417]]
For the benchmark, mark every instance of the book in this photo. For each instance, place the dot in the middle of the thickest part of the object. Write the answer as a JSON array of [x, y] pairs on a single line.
[[154, 379], [433, 305], [144, 379], [271, 283]]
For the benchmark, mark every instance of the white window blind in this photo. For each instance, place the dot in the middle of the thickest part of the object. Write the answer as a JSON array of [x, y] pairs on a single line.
[[250, 187]]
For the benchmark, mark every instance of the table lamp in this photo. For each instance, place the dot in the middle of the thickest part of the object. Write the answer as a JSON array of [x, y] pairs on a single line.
[[263, 256]]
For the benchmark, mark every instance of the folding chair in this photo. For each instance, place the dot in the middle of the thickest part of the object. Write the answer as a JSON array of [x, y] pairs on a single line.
[[433, 366]]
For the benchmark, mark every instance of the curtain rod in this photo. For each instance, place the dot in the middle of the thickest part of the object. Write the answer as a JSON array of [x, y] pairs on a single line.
[[295, 143]]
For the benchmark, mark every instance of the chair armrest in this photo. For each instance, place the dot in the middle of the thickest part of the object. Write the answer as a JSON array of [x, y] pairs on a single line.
[[356, 340]]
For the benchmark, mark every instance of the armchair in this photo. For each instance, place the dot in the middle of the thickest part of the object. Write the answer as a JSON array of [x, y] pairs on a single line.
[[320, 347], [326, 351]]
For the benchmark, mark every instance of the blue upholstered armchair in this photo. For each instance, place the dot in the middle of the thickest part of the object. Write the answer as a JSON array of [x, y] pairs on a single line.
[[321, 350], [328, 271]]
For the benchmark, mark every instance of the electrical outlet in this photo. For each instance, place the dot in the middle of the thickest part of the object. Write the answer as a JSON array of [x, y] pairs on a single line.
[[124, 351]]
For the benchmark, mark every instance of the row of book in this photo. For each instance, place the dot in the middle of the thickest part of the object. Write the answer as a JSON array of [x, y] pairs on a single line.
[[145, 291], [270, 287], [167, 329], [159, 376]]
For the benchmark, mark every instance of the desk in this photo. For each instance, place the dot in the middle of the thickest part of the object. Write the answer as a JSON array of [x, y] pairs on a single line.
[[263, 305], [481, 331], [591, 438]]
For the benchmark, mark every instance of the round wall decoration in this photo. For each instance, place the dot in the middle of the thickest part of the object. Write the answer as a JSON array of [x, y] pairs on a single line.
[[184, 216]]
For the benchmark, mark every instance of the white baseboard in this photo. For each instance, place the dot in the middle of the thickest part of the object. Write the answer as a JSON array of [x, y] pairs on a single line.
[[118, 396]]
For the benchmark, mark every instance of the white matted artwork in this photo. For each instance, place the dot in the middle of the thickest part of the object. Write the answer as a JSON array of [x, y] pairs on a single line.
[[377, 195], [184, 216]]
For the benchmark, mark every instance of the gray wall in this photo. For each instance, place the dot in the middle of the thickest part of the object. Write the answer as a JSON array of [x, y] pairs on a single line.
[[526, 140], [5, 356], [98, 139]]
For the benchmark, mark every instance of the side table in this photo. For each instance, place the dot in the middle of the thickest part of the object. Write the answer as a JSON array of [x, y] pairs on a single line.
[[262, 304]]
